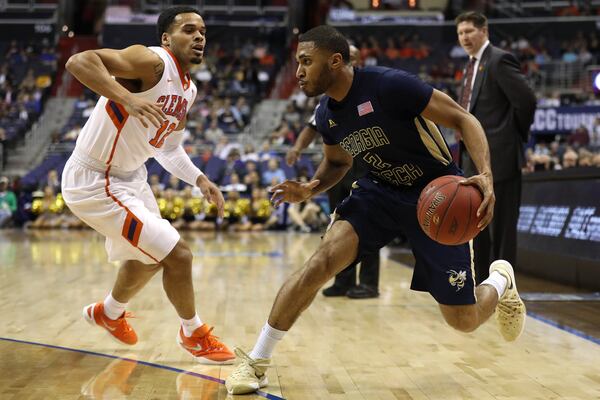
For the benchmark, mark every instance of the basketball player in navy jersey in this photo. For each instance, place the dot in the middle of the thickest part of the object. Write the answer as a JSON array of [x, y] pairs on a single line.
[[386, 118]]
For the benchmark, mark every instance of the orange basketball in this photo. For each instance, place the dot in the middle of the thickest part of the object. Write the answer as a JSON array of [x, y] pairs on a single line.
[[447, 211]]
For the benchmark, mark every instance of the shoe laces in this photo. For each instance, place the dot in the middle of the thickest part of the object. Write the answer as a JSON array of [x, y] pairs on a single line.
[[122, 322], [248, 365], [210, 341], [511, 305]]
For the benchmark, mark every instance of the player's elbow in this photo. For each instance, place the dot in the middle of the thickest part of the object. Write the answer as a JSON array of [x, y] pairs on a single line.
[[73, 62], [460, 119], [468, 123], [76, 62], [343, 165]]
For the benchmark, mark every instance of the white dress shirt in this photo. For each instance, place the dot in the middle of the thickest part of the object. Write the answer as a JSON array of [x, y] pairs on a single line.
[[476, 68]]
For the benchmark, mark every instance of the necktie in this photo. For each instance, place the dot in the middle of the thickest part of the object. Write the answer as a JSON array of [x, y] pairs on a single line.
[[465, 97], [467, 89]]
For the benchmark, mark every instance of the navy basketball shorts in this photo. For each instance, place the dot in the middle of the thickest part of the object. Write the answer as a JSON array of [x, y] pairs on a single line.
[[379, 212]]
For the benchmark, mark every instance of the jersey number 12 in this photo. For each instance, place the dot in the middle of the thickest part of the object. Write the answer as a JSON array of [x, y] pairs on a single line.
[[161, 134]]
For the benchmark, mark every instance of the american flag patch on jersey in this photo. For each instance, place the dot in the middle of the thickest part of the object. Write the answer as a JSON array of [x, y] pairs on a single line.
[[364, 108]]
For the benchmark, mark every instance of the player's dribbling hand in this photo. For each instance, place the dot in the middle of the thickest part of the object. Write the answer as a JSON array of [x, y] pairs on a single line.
[[211, 193], [291, 156], [486, 187], [145, 111], [292, 192]]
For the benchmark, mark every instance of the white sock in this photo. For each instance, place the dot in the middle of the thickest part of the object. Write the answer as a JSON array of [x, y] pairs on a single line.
[[112, 308], [266, 342], [498, 281], [190, 325]]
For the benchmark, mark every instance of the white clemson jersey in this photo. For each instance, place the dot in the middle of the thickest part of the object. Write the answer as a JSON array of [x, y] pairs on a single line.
[[120, 141]]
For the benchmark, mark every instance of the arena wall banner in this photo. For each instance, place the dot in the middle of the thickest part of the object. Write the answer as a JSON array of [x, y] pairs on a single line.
[[564, 119], [559, 226]]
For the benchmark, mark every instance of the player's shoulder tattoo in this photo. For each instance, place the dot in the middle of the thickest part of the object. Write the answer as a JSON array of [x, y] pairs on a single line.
[[159, 67]]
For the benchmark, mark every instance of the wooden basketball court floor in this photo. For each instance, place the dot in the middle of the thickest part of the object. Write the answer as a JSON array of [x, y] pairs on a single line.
[[393, 347]]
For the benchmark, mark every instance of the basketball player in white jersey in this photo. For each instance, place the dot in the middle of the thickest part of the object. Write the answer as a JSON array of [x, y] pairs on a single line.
[[141, 114]]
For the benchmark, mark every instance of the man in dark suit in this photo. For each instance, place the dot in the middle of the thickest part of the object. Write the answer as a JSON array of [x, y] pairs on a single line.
[[495, 91]]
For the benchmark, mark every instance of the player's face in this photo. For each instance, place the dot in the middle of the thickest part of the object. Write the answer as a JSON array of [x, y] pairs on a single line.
[[314, 73], [187, 38], [470, 37]]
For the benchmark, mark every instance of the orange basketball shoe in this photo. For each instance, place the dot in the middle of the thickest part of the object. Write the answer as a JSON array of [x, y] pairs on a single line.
[[205, 347], [119, 328]]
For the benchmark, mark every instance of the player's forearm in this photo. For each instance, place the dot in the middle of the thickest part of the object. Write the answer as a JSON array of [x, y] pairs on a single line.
[[88, 68], [178, 163], [305, 138], [329, 173], [476, 143]]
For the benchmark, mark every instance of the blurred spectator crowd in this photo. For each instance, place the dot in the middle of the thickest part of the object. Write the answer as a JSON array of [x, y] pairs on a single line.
[[443, 66], [231, 81], [245, 186], [26, 71]]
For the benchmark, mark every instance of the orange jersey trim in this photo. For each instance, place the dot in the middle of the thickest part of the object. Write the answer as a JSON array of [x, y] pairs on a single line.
[[117, 114], [132, 228], [185, 78]]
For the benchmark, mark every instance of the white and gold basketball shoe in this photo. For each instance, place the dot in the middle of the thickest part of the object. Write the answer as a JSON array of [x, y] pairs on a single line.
[[510, 311], [248, 376]]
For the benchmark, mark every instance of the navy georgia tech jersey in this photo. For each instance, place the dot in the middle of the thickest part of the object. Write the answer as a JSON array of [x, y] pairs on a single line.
[[379, 124]]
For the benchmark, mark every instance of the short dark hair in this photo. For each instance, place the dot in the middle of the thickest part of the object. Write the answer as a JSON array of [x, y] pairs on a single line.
[[476, 18], [165, 19], [328, 38]]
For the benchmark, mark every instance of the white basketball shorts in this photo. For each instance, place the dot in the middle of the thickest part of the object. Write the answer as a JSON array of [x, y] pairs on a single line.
[[121, 207]]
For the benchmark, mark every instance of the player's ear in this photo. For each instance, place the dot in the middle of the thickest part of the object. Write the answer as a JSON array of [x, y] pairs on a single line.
[[164, 40], [336, 61]]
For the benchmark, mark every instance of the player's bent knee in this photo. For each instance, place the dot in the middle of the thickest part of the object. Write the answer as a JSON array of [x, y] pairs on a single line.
[[180, 257], [461, 318], [153, 268], [463, 325], [326, 261], [318, 270]]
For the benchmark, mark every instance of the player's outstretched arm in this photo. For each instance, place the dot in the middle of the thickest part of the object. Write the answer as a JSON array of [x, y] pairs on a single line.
[[95, 68], [177, 162], [442, 110], [332, 169]]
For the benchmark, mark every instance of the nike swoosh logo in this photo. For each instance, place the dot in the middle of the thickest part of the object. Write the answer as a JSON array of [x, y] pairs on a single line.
[[108, 327], [195, 348]]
